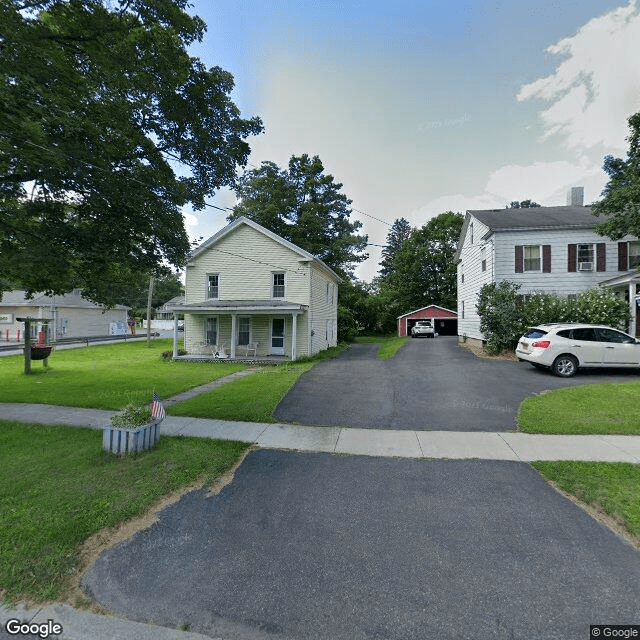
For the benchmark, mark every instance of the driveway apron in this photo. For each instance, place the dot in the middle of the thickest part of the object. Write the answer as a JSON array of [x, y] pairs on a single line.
[[323, 547], [431, 384]]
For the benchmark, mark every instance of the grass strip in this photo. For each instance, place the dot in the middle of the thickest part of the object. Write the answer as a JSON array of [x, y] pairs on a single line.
[[250, 399], [58, 488], [106, 376], [611, 487], [254, 398], [610, 408], [389, 345]]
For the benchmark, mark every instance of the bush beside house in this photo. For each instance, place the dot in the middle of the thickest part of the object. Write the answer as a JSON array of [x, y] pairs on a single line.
[[505, 314]]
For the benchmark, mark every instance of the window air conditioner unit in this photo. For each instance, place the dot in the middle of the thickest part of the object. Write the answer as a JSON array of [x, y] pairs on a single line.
[[585, 266]]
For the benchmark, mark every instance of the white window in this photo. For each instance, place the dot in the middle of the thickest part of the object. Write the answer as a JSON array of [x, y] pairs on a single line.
[[244, 331], [532, 261], [586, 257], [483, 258], [634, 255], [462, 310], [211, 334], [278, 285], [213, 285], [326, 297]]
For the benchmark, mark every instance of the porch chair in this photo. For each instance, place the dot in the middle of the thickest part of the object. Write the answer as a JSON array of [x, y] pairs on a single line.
[[248, 349]]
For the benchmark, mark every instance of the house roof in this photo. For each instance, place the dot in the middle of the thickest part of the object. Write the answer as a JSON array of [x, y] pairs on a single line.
[[72, 299], [172, 302], [228, 306], [430, 306], [207, 244], [529, 219], [536, 218]]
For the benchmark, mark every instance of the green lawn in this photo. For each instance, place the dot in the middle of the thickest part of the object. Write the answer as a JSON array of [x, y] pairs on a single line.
[[600, 408], [250, 399], [105, 376], [58, 488], [254, 398], [389, 345], [613, 487]]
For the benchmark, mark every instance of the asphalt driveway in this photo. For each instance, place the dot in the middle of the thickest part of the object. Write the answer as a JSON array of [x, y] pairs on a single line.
[[430, 384], [317, 546]]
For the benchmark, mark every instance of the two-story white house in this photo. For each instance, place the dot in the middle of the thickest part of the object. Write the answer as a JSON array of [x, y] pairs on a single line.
[[544, 249], [252, 293]]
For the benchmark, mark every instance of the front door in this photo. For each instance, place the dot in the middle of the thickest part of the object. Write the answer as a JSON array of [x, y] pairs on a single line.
[[277, 337]]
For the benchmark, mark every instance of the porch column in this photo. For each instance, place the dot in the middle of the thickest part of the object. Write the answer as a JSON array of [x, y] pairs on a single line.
[[294, 334], [233, 335], [175, 334], [632, 308]]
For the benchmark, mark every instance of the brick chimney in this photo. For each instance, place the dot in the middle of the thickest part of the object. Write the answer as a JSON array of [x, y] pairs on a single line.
[[575, 197]]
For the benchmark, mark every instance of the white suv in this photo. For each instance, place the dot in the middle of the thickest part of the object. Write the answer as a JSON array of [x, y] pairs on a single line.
[[423, 328], [566, 347]]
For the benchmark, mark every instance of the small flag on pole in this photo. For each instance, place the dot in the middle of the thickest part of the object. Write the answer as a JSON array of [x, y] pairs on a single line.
[[157, 409]]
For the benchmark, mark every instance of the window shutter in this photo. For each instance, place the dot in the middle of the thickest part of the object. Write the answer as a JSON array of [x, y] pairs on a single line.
[[546, 258], [572, 257], [519, 259], [622, 256], [601, 256]]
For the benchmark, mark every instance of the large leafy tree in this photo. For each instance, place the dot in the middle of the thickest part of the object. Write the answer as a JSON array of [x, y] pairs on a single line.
[[399, 232], [304, 205], [522, 204], [424, 271], [108, 128], [621, 201]]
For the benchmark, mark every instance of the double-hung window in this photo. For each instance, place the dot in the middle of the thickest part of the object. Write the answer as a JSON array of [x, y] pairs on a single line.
[[278, 285], [211, 336], [213, 285], [244, 331], [634, 255], [586, 257], [532, 258]]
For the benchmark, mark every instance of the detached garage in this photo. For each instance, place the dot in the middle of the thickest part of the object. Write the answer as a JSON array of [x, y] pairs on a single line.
[[445, 321]]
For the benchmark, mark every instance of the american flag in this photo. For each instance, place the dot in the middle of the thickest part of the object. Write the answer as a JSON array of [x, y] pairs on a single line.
[[157, 409]]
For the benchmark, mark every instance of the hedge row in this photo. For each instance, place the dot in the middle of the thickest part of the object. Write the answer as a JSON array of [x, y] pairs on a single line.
[[505, 314]]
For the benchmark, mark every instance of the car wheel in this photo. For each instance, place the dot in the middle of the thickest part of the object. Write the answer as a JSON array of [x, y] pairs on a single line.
[[564, 366]]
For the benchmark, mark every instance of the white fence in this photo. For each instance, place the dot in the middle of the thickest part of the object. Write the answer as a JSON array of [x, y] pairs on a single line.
[[164, 325]]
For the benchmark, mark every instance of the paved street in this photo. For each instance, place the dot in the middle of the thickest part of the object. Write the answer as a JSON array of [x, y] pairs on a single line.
[[429, 384], [317, 546]]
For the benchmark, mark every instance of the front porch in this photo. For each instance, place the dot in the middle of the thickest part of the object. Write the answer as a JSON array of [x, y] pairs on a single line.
[[627, 285], [263, 360], [268, 331]]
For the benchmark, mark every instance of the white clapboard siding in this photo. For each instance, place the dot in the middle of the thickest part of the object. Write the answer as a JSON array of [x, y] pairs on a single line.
[[474, 278], [245, 260]]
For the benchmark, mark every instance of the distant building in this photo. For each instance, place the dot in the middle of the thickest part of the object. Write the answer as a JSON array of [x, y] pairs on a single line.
[[70, 315], [543, 249]]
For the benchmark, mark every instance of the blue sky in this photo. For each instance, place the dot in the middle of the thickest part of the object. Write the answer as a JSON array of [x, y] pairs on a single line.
[[420, 107]]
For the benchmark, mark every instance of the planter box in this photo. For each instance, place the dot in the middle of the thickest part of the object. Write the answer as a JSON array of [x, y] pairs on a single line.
[[123, 440]]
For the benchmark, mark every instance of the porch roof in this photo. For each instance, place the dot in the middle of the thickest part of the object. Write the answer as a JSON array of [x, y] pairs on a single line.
[[253, 307], [632, 277]]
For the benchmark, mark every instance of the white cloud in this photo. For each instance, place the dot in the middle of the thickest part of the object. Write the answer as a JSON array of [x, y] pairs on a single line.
[[595, 89]]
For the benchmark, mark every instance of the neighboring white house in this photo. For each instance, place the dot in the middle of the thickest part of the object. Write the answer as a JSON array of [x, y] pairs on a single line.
[[70, 316], [543, 249], [247, 286]]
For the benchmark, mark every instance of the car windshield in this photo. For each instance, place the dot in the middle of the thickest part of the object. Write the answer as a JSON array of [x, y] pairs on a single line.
[[535, 333]]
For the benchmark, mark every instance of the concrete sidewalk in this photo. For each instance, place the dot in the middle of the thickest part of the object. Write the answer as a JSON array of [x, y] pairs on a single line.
[[84, 625], [80, 625], [504, 445]]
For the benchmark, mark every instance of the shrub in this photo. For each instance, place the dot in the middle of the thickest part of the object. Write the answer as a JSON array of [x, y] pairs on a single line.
[[167, 355], [505, 314]]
